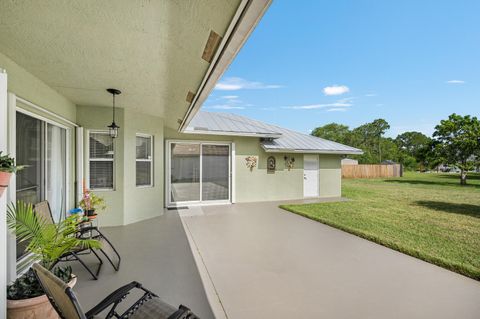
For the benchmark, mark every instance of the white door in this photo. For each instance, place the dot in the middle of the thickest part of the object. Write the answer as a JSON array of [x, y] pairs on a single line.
[[310, 175]]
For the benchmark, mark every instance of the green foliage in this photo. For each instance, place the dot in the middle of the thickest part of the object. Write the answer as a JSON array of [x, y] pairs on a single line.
[[27, 286], [334, 132], [90, 201], [458, 142], [7, 164], [46, 241]]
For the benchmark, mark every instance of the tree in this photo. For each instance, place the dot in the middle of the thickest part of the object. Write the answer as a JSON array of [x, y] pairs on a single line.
[[458, 141], [368, 137], [333, 132], [412, 142]]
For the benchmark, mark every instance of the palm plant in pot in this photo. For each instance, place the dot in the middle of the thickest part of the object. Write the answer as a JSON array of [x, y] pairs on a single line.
[[7, 168], [47, 243]]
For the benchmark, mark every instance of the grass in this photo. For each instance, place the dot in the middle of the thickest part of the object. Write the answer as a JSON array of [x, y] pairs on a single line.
[[428, 216]]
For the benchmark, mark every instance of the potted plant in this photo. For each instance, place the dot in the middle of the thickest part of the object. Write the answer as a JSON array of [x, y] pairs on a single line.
[[7, 168], [47, 243], [91, 203]]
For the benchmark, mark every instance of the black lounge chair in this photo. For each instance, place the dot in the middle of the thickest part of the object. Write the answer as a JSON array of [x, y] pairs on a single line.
[[149, 306], [107, 249]]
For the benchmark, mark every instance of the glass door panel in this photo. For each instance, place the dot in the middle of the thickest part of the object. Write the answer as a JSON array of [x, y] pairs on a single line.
[[215, 172], [185, 172], [56, 170]]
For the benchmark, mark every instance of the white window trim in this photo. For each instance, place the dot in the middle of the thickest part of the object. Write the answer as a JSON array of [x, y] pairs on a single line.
[[87, 169], [145, 160]]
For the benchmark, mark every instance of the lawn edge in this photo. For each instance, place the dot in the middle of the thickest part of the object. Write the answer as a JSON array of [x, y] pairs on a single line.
[[457, 268]]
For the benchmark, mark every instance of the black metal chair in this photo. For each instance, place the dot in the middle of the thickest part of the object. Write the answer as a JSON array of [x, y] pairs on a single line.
[[107, 249], [149, 306]]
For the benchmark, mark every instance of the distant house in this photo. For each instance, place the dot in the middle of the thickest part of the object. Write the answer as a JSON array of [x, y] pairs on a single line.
[[349, 161]]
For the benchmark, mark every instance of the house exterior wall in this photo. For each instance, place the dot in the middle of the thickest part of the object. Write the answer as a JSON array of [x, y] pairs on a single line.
[[127, 203], [257, 184], [330, 175], [143, 202], [25, 85]]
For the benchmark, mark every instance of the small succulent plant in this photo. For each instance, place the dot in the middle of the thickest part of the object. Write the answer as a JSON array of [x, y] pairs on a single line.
[[7, 164]]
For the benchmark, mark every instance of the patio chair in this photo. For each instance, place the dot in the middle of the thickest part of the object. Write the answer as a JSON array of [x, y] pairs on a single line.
[[107, 249], [149, 306]]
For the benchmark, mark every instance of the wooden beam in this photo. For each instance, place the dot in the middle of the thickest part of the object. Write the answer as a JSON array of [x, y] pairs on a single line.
[[211, 47]]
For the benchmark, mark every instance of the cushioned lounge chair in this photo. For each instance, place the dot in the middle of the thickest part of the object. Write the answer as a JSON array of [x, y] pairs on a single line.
[[149, 306]]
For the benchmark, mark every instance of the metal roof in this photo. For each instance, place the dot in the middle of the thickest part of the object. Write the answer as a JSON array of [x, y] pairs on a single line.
[[275, 138]]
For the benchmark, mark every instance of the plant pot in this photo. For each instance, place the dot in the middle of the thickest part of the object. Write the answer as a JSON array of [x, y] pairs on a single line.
[[4, 181], [90, 212], [33, 308]]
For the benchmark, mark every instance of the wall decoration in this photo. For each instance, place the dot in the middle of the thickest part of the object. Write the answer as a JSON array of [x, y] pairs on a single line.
[[271, 164], [251, 162], [289, 162]]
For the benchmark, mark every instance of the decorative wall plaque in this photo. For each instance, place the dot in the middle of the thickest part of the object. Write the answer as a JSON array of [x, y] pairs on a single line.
[[271, 164]]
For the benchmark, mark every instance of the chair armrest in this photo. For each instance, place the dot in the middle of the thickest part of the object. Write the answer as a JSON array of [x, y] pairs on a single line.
[[113, 298]]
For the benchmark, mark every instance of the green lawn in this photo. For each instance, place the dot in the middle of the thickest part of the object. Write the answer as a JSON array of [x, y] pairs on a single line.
[[428, 216]]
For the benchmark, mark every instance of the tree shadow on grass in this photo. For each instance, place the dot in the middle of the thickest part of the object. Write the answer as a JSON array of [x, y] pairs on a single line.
[[454, 208], [446, 182]]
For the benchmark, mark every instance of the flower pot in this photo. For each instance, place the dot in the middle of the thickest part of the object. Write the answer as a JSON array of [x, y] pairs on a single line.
[[4, 180], [33, 308], [90, 212]]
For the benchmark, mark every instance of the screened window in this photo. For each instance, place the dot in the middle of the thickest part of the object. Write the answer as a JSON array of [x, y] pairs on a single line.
[[144, 160], [101, 160]]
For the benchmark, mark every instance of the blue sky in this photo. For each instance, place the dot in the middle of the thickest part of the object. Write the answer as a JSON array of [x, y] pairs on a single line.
[[309, 63]]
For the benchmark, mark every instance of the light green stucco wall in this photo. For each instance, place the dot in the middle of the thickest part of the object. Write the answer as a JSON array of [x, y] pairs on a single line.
[[29, 87], [330, 175], [257, 184], [25, 85], [142, 202], [127, 203]]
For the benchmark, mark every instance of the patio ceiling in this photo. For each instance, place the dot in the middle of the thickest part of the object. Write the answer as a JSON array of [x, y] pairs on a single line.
[[151, 50]]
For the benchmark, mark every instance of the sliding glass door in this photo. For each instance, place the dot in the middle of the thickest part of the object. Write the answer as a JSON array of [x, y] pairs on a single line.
[[42, 148], [199, 172]]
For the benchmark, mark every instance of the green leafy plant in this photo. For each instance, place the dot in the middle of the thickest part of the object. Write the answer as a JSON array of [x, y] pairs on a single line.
[[90, 201], [27, 286], [7, 164], [46, 241]]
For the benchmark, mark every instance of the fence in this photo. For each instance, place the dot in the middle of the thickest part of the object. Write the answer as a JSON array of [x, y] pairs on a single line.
[[372, 171]]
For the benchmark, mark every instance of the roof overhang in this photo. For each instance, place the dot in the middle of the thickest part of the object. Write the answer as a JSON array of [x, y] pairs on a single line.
[[244, 22], [226, 133], [158, 53], [336, 152]]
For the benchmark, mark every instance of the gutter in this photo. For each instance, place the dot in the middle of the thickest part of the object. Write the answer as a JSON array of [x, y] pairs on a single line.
[[226, 133], [336, 152], [246, 18]]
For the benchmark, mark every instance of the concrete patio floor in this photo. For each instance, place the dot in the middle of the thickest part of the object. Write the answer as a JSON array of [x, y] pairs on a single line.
[[155, 253], [259, 261]]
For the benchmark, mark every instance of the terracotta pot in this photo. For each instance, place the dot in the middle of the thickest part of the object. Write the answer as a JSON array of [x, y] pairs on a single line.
[[4, 180], [34, 308]]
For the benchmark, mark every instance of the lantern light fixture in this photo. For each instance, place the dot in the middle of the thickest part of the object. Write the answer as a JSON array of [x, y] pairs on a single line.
[[113, 128]]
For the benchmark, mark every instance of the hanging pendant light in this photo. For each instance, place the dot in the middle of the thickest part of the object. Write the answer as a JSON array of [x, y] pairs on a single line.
[[113, 128]]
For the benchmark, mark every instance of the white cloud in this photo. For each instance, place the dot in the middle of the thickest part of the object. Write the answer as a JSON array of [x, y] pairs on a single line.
[[337, 109], [225, 107], [335, 90], [235, 84], [229, 97], [455, 82], [338, 104]]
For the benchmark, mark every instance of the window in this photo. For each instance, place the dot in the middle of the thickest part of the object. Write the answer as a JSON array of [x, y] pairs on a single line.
[[42, 148], [101, 160], [144, 160]]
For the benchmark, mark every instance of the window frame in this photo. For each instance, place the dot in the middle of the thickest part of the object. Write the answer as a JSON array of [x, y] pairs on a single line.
[[152, 184], [89, 159]]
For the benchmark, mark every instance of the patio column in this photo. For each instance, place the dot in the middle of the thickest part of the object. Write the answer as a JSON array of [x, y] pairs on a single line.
[[3, 199]]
